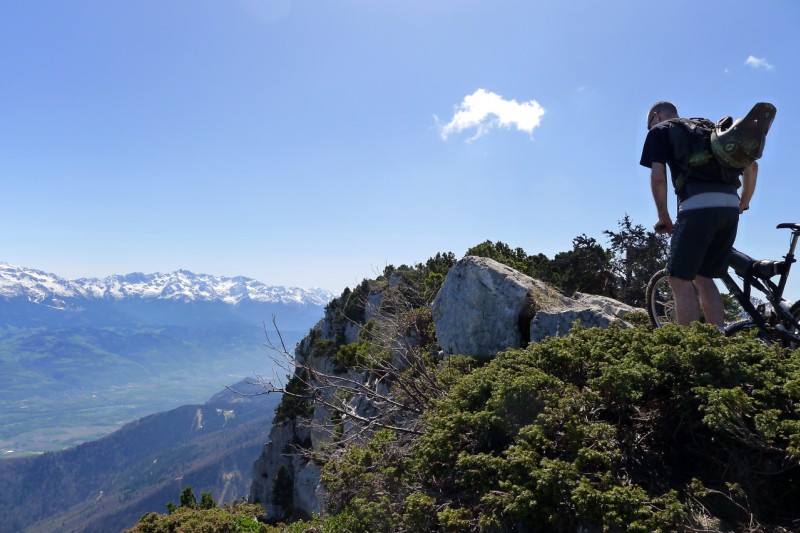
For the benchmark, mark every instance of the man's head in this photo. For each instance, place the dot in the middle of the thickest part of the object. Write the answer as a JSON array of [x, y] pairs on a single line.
[[660, 112]]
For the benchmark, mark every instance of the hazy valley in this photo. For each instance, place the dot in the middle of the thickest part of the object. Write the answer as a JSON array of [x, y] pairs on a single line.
[[78, 359], [107, 484]]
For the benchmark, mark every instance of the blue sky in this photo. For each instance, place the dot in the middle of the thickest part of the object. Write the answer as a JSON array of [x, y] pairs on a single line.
[[312, 143]]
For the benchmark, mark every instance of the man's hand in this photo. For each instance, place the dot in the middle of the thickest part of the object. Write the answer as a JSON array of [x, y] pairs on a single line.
[[749, 179], [664, 225], [658, 185]]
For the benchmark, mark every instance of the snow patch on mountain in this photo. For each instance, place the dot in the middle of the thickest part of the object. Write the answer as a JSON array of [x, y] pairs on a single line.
[[50, 289]]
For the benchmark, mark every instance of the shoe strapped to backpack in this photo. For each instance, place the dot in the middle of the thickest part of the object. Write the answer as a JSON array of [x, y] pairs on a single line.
[[739, 143]]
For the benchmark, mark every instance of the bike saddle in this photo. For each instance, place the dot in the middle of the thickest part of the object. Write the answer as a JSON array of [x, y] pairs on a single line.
[[794, 226], [738, 143], [744, 265]]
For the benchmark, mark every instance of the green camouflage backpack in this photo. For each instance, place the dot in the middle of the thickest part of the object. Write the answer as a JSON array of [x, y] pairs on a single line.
[[732, 144]]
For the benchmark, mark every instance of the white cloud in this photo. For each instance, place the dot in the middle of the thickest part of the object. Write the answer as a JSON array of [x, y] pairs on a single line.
[[484, 110], [757, 62]]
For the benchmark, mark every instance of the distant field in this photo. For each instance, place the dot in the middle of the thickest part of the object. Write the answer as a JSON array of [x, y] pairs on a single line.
[[60, 390], [38, 425]]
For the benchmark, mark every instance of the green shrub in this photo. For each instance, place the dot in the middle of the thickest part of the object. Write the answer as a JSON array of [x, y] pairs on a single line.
[[613, 430], [239, 518], [296, 401], [363, 471]]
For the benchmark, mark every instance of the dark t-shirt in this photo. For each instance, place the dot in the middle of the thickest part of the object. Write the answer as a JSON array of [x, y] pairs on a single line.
[[703, 178]]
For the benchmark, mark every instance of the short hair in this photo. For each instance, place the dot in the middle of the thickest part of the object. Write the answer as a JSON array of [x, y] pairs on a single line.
[[664, 108]]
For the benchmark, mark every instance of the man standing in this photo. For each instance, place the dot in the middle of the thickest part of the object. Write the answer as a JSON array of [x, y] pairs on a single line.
[[707, 215]]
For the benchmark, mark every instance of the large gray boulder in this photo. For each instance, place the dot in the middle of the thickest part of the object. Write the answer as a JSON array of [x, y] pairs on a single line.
[[485, 307]]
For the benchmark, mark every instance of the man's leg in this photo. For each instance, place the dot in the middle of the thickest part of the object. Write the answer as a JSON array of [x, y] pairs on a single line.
[[685, 255], [715, 263], [685, 296], [710, 299]]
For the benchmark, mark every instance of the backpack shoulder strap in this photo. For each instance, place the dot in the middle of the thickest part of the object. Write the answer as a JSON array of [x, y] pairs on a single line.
[[693, 147], [690, 139]]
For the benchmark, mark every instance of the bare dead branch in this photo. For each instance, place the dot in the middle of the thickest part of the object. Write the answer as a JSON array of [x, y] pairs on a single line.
[[388, 386]]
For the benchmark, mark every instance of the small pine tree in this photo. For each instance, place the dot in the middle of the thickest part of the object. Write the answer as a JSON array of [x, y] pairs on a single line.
[[207, 501], [637, 255], [188, 499], [585, 268], [283, 487]]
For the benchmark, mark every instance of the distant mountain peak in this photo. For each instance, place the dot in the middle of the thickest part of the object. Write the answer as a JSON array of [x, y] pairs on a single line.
[[181, 285]]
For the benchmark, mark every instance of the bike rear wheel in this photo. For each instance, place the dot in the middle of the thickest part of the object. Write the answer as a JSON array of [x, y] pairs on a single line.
[[659, 300], [748, 325], [770, 335]]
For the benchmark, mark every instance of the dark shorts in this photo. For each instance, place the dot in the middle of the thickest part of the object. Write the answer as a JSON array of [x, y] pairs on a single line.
[[701, 242]]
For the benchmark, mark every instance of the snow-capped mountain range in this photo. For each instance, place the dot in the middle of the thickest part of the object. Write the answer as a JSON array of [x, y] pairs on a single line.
[[52, 290]]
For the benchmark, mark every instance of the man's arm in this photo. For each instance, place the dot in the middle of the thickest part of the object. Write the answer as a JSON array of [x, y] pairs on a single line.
[[659, 188], [749, 179]]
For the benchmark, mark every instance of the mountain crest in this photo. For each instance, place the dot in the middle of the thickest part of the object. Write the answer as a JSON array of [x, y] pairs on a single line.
[[181, 285]]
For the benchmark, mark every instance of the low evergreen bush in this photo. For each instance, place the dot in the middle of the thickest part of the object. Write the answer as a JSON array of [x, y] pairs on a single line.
[[603, 430]]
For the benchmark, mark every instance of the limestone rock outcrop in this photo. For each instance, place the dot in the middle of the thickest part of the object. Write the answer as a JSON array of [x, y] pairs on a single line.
[[485, 307]]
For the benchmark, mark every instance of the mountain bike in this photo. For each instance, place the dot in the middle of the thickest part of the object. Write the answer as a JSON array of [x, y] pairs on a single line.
[[777, 320]]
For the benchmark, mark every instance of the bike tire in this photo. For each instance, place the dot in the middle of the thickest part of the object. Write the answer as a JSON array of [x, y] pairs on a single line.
[[659, 300], [764, 336], [743, 325], [748, 325]]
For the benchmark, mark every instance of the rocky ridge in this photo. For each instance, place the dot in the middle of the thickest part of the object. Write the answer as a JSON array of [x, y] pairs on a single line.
[[482, 308]]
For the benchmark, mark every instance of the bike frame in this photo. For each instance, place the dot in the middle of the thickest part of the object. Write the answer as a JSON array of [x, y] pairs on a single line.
[[773, 292]]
